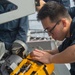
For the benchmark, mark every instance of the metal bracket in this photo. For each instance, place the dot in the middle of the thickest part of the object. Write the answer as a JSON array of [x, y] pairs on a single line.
[[24, 8]]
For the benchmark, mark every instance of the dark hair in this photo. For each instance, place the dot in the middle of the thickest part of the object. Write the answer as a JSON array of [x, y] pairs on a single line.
[[53, 10]]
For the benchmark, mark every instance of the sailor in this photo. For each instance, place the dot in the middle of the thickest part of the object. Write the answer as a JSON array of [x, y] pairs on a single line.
[[58, 23]]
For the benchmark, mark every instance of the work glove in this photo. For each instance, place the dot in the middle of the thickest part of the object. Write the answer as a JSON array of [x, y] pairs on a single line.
[[19, 48]]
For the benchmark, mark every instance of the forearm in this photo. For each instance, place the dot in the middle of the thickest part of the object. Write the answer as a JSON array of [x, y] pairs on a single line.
[[67, 56], [53, 51]]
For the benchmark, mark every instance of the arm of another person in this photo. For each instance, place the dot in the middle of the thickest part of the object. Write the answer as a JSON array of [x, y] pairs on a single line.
[[70, 10], [42, 2]]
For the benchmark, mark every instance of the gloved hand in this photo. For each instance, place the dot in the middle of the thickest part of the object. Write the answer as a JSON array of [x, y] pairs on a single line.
[[19, 48]]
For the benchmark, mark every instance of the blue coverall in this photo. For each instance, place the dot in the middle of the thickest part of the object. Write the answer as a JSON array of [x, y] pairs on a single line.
[[13, 30]]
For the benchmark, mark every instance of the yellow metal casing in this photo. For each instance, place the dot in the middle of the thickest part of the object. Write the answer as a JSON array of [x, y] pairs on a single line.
[[30, 67]]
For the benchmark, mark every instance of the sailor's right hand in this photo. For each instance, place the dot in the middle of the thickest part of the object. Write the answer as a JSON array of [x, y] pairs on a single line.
[[41, 56]]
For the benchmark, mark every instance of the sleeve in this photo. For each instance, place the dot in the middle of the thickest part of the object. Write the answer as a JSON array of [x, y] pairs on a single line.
[[60, 48], [64, 44], [23, 29], [73, 42], [73, 38], [72, 12], [67, 42]]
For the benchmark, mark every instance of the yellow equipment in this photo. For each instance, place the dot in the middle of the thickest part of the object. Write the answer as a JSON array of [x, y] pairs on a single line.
[[30, 67], [18, 63]]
